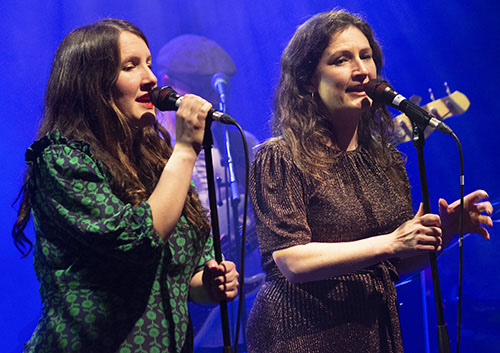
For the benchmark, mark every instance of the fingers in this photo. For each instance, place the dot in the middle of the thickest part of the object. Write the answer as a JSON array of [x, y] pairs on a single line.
[[477, 220], [476, 214], [222, 279], [421, 234], [484, 207], [192, 106], [420, 211], [470, 199], [225, 268], [429, 241], [475, 196], [483, 232], [190, 120], [428, 219], [486, 220], [443, 206]]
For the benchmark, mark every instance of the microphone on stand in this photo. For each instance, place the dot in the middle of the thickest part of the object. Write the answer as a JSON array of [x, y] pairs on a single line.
[[381, 92], [166, 98], [220, 82]]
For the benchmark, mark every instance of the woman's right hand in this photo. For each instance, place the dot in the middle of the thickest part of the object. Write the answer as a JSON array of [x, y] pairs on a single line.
[[190, 122], [420, 234]]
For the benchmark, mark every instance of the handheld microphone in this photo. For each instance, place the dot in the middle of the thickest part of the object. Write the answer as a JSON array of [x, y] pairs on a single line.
[[166, 98], [220, 82], [381, 92]]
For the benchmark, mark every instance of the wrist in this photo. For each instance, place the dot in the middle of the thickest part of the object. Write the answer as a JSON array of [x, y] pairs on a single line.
[[387, 246], [184, 152]]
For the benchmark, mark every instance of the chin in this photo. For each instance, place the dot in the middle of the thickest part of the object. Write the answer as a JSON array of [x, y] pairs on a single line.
[[147, 119], [365, 105]]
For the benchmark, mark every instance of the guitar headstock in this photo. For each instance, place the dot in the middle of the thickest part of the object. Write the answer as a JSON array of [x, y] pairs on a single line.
[[454, 104]]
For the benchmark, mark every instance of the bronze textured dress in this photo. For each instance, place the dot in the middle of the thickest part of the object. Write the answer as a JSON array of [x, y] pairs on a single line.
[[355, 312]]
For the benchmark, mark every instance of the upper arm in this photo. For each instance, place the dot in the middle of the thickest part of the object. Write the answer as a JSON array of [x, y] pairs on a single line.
[[280, 195], [72, 199]]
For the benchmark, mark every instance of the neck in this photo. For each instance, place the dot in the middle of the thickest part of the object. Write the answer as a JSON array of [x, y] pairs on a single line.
[[347, 141], [346, 132]]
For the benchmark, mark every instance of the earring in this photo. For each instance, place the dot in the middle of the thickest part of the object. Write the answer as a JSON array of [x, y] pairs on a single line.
[[312, 95]]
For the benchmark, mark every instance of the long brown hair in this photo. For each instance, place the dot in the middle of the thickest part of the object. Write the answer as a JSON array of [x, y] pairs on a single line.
[[298, 117], [79, 103]]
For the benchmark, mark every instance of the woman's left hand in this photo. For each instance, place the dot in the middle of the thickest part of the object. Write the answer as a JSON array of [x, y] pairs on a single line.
[[221, 280], [474, 219]]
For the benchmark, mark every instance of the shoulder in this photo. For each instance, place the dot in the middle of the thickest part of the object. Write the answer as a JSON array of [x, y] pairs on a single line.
[[275, 147], [393, 150], [52, 142], [59, 153], [397, 156], [274, 160]]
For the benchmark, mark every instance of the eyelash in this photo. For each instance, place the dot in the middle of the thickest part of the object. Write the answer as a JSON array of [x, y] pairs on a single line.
[[341, 60], [132, 66]]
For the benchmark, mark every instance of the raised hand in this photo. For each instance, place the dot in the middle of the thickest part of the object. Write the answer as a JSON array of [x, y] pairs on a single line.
[[474, 219], [190, 121]]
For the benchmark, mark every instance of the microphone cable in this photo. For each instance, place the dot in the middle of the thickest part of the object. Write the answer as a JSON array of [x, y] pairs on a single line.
[[243, 240], [460, 242]]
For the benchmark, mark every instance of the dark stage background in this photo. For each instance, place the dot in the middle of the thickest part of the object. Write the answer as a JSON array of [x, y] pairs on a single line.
[[425, 43]]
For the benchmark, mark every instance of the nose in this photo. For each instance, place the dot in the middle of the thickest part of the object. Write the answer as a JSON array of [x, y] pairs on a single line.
[[361, 69], [149, 79]]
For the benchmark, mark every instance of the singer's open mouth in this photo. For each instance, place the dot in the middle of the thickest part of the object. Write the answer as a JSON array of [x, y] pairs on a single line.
[[144, 98], [359, 88]]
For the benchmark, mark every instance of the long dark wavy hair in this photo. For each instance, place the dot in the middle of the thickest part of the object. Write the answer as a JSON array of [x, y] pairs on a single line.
[[298, 116], [79, 102]]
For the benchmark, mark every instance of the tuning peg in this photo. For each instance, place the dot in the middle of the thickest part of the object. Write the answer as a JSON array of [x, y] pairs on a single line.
[[431, 95], [448, 92]]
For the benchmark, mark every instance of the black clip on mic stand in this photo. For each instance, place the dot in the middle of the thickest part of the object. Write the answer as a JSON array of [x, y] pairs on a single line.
[[207, 147], [419, 142]]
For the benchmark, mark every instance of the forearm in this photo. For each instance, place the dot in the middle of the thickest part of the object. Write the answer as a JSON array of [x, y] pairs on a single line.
[[168, 198], [318, 261], [408, 267]]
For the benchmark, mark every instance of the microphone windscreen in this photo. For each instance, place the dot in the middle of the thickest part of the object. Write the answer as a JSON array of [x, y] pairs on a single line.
[[380, 91], [370, 87], [220, 78], [164, 98]]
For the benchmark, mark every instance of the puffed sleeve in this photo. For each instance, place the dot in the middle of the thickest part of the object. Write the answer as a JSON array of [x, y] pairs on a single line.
[[279, 193], [73, 204]]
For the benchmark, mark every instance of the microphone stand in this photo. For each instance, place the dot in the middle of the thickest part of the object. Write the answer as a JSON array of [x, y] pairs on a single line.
[[419, 142], [207, 147], [229, 163]]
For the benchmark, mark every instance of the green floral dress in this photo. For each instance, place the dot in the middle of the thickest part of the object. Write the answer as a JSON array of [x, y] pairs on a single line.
[[108, 282]]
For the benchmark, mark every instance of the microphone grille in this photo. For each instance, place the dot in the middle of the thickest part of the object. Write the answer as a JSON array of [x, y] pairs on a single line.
[[379, 91], [164, 98], [370, 87], [219, 78]]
